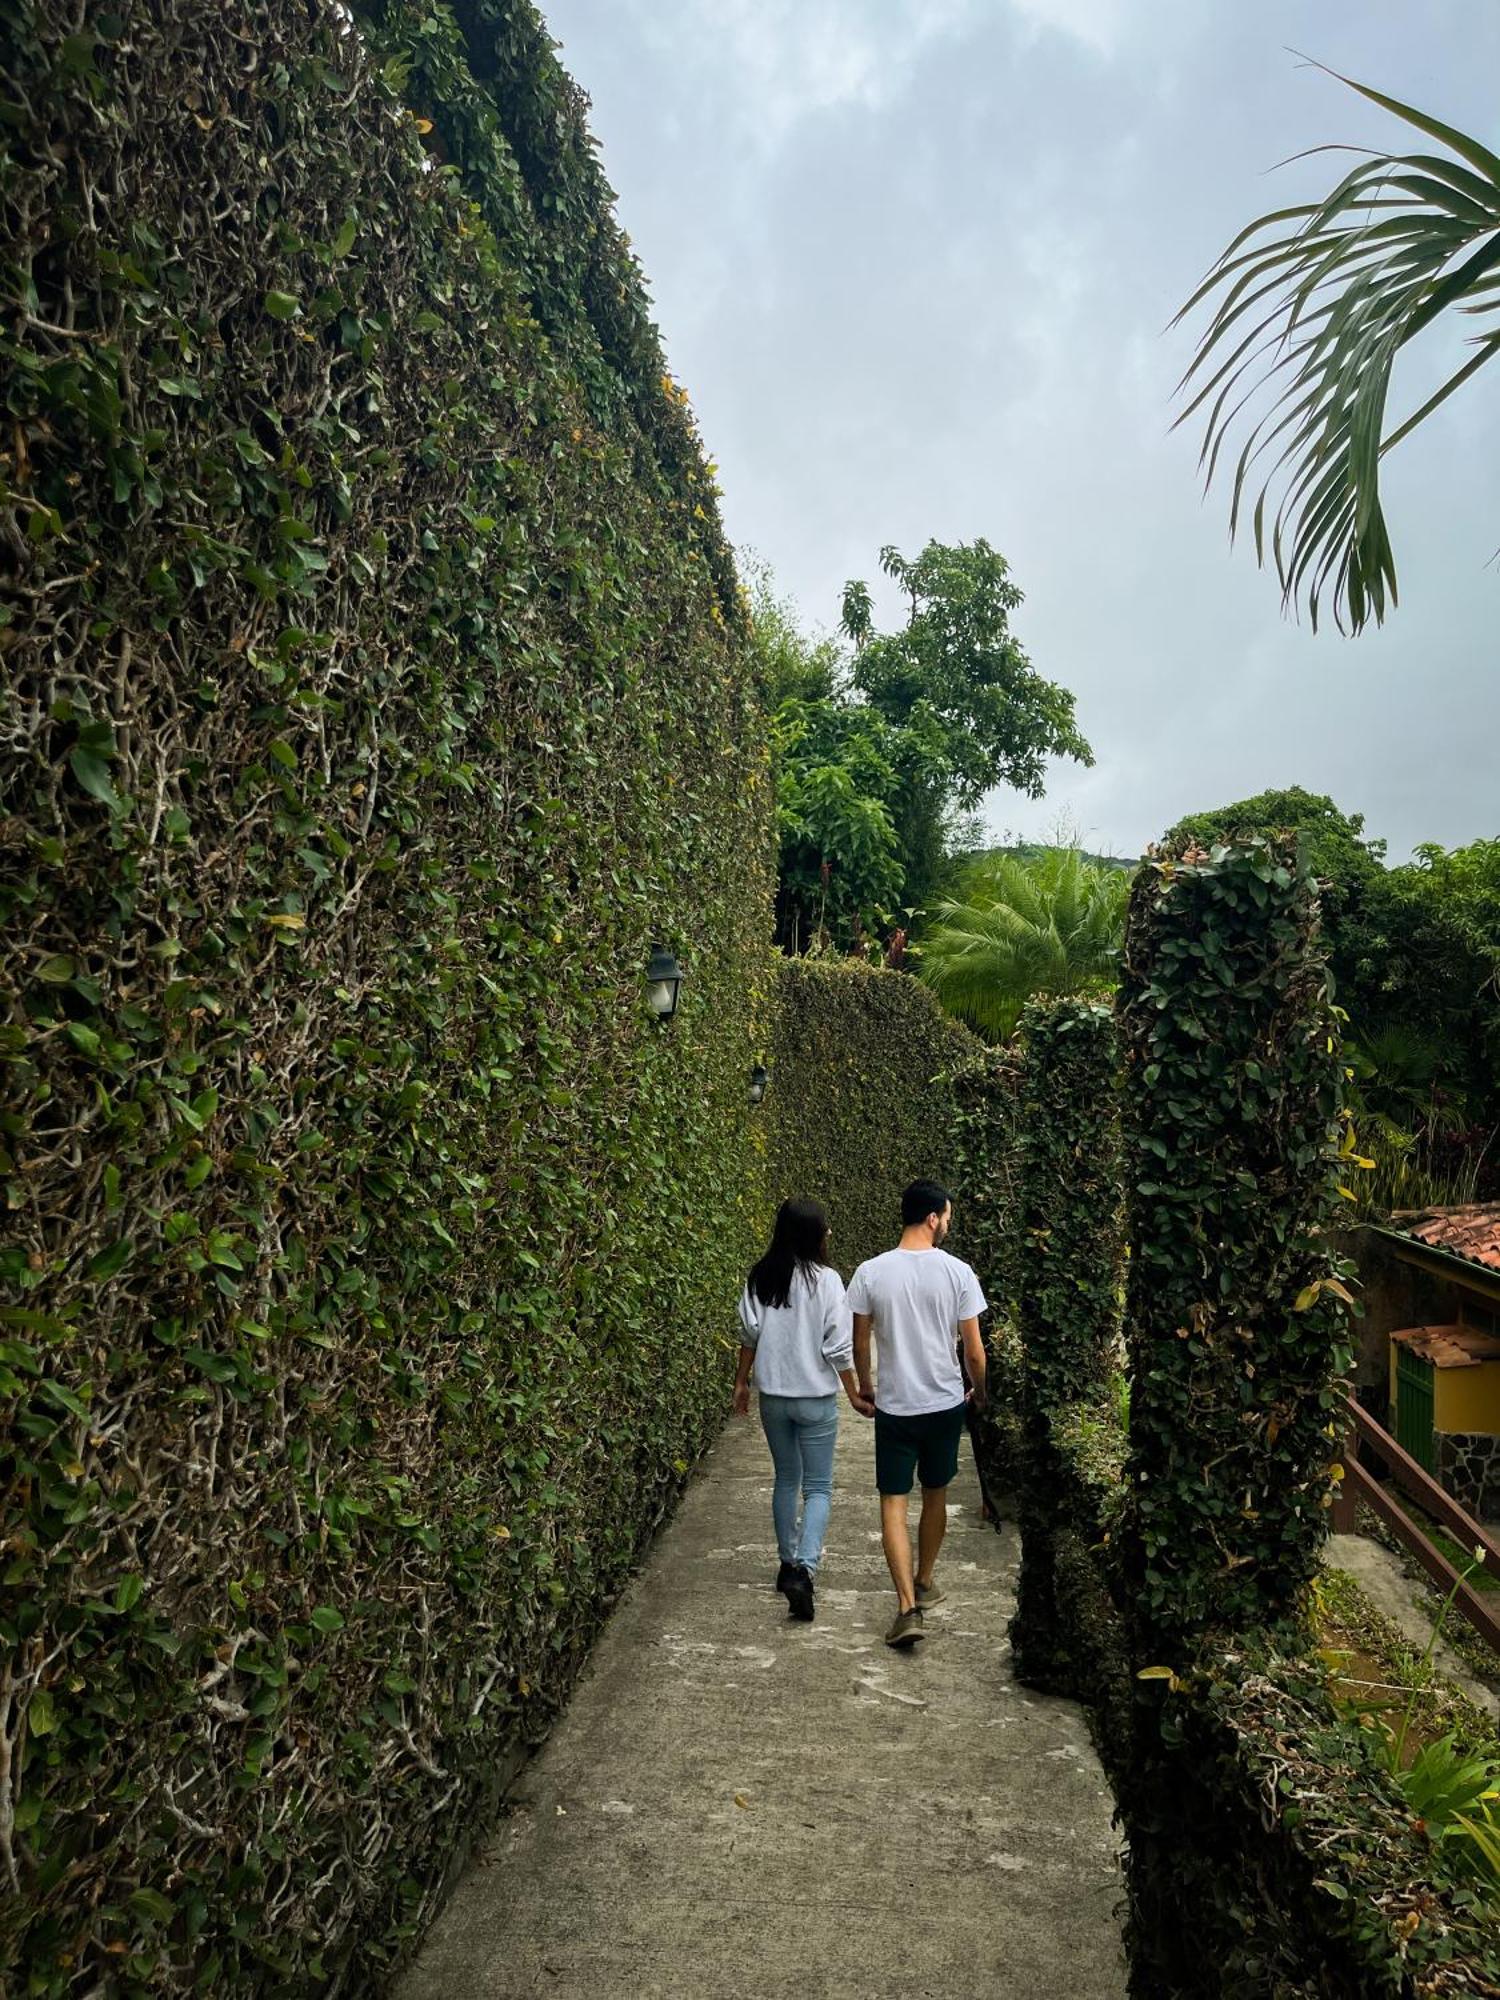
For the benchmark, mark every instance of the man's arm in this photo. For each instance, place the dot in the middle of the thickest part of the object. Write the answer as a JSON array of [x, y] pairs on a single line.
[[862, 1327], [974, 1359]]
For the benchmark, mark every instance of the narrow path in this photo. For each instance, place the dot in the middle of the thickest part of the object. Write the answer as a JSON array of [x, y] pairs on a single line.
[[736, 1805]]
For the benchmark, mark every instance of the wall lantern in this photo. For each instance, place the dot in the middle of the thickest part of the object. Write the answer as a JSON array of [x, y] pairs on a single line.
[[760, 1076], [663, 979]]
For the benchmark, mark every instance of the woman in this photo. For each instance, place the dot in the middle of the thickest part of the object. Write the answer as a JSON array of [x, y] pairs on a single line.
[[799, 1338]]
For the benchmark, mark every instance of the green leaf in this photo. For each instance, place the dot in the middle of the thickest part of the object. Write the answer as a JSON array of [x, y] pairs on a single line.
[[57, 971], [41, 1716], [327, 1619], [152, 1903], [283, 305], [106, 1262], [93, 774], [84, 1038], [65, 1398], [128, 1592]]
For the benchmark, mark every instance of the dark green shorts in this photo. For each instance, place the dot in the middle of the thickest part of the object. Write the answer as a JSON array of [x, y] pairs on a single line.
[[924, 1446]]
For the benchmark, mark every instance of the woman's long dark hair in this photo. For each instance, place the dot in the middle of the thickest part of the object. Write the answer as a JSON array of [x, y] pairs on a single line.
[[797, 1244]]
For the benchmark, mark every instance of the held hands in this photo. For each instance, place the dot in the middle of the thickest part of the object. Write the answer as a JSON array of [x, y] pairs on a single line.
[[742, 1399], [862, 1401]]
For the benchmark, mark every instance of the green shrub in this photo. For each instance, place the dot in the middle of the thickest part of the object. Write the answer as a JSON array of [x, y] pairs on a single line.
[[377, 696], [1271, 1856], [859, 1103], [1067, 1259], [1236, 1331], [983, 1145], [984, 1129], [1069, 1232]]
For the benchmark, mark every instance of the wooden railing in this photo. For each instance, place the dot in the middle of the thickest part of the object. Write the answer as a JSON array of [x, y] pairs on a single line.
[[1359, 1484]]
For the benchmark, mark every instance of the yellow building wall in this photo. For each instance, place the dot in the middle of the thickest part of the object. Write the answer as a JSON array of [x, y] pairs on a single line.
[[1466, 1399]]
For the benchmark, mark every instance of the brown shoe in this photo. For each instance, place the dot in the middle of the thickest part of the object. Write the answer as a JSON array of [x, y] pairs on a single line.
[[929, 1593], [907, 1629]]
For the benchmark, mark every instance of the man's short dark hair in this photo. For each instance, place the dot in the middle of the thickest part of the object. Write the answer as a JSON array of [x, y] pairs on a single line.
[[921, 1199]]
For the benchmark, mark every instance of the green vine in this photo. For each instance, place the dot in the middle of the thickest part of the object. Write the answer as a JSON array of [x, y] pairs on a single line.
[[1069, 1246], [859, 1104], [377, 696], [1236, 1320]]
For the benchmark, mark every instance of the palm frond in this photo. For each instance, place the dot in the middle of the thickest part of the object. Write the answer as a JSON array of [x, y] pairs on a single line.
[[1309, 307], [1050, 924]]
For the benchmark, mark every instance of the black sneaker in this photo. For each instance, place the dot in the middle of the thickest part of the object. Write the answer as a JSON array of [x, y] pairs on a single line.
[[784, 1576], [799, 1594]]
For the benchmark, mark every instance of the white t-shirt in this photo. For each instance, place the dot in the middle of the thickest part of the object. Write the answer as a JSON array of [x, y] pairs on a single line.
[[915, 1299], [801, 1346]]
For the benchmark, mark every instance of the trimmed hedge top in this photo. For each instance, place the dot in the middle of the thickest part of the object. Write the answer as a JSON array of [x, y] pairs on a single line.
[[376, 698]]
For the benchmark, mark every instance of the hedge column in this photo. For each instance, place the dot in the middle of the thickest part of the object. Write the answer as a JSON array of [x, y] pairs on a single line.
[[981, 1171], [1235, 1322], [1068, 1247]]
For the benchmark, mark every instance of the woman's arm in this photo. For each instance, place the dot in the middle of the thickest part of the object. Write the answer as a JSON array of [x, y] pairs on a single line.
[[742, 1382], [863, 1403]]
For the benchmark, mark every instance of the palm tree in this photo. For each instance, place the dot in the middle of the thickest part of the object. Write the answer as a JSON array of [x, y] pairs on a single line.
[[1313, 303], [1023, 928]]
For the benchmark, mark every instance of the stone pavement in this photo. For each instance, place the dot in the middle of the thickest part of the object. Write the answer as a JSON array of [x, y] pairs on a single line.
[[737, 1805]]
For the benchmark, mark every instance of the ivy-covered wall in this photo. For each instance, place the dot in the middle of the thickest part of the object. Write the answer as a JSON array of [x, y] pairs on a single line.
[[1236, 1315], [1069, 1253], [376, 696], [861, 1101]]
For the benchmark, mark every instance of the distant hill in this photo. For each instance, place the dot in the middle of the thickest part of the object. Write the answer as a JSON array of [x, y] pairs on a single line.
[[1028, 850]]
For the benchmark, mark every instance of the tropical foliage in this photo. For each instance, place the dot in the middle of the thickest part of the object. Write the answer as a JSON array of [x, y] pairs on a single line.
[[1415, 955], [885, 742], [1049, 926], [1312, 304]]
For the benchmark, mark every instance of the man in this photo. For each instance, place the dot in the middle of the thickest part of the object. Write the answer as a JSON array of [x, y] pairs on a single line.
[[918, 1303]]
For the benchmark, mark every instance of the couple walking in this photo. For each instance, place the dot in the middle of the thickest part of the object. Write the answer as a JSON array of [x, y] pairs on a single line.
[[803, 1336]]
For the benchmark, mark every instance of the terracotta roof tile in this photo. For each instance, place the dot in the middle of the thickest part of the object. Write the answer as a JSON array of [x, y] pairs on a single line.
[[1449, 1346], [1472, 1232]]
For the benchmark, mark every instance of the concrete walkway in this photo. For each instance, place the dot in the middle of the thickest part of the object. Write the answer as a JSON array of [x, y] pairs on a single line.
[[736, 1805]]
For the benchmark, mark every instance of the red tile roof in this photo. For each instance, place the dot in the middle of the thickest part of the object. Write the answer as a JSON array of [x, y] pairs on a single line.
[[1471, 1232], [1450, 1346]]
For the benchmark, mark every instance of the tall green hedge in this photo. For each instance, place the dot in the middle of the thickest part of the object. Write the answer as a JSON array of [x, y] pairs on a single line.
[[376, 697], [1068, 1253], [984, 1141], [1069, 1237], [1235, 1316], [860, 1101]]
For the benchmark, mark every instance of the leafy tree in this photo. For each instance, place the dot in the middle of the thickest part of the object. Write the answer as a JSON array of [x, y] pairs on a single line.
[[972, 710], [1312, 305], [1415, 954], [884, 746], [1021, 929], [1334, 842]]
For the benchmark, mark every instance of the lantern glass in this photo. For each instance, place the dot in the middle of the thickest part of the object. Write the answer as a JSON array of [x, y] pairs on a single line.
[[759, 1077], [663, 982]]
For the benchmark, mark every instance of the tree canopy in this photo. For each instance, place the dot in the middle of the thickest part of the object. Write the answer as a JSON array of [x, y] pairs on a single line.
[[886, 741]]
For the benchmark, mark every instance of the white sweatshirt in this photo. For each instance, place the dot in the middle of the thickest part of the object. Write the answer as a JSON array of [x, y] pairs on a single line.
[[801, 1346]]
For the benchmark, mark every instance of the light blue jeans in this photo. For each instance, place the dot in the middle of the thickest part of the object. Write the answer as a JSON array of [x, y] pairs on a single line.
[[801, 1431]]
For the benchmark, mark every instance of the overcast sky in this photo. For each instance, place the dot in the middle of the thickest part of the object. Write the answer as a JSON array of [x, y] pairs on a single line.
[[913, 261]]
